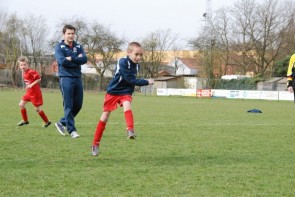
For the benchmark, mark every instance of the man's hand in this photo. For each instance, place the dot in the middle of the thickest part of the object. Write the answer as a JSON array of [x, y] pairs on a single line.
[[69, 58], [290, 89]]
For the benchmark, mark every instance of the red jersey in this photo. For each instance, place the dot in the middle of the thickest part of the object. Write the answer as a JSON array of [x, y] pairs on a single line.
[[33, 94], [29, 77]]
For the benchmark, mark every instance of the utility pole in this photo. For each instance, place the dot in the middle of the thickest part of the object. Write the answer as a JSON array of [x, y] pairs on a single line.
[[208, 14], [208, 42], [208, 29]]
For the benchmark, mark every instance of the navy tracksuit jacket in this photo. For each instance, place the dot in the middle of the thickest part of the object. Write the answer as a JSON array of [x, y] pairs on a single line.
[[71, 86], [124, 79]]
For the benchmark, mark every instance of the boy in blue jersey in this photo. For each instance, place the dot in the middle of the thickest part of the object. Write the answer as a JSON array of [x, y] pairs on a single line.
[[119, 92], [70, 56]]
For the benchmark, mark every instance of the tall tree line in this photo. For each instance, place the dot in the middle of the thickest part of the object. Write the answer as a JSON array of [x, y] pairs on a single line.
[[25, 36], [251, 35], [22, 37]]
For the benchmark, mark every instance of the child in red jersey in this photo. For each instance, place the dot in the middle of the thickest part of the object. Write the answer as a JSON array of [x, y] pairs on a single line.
[[33, 93]]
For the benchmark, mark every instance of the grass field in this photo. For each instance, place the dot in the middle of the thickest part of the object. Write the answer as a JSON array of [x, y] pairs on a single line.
[[185, 147]]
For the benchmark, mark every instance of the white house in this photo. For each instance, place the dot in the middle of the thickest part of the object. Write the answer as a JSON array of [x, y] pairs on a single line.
[[110, 70], [188, 69], [184, 66]]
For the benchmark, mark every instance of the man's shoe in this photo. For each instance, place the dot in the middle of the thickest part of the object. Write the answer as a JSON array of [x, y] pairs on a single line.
[[47, 124], [22, 123], [60, 128], [74, 134], [131, 134], [95, 150]]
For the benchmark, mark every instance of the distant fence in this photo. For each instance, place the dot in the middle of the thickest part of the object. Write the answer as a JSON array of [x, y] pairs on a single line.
[[90, 82], [230, 94]]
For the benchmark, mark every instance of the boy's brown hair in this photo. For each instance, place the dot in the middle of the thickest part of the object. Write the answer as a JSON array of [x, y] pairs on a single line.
[[23, 59], [133, 44]]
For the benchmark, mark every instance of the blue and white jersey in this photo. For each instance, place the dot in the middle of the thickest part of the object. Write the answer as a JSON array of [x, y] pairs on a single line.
[[69, 68], [124, 79]]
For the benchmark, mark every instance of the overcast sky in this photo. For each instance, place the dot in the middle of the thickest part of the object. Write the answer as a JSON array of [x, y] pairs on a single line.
[[132, 18]]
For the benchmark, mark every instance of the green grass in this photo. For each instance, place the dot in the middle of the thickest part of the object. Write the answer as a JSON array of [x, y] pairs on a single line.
[[185, 147]]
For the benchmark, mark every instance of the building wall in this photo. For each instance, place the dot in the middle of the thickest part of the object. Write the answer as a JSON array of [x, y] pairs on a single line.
[[194, 82], [172, 83], [160, 84], [184, 70], [168, 55]]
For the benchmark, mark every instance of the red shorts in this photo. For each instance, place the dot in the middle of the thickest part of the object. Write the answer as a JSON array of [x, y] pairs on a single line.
[[111, 101], [36, 99]]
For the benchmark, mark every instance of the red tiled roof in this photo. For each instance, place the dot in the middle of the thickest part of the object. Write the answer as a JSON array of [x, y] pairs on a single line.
[[164, 73], [190, 63], [2, 66], [164, 78]]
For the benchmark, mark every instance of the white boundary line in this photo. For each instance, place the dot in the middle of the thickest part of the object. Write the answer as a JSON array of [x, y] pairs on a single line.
[[162, 123]]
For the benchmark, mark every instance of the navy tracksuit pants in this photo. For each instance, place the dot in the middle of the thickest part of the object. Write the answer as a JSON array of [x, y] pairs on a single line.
[[72, 93]]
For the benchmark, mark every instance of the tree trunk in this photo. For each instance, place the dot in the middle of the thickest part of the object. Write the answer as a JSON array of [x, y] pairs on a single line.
[[100, 82], [14, 73]]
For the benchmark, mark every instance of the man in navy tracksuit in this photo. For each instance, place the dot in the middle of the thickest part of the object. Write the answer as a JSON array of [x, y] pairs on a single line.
[[70, 56], [119, 92]]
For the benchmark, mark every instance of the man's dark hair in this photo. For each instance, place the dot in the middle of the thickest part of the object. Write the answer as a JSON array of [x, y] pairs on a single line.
[[68, 27]]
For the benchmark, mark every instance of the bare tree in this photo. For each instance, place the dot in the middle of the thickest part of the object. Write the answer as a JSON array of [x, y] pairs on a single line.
[[155, 44], [222, 30], [288, 41], [78, 22], [262, 27], [102, 45], [208, 53], [34, 39], [11, 44], [243, 18], [249, 35], [3, 19]]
